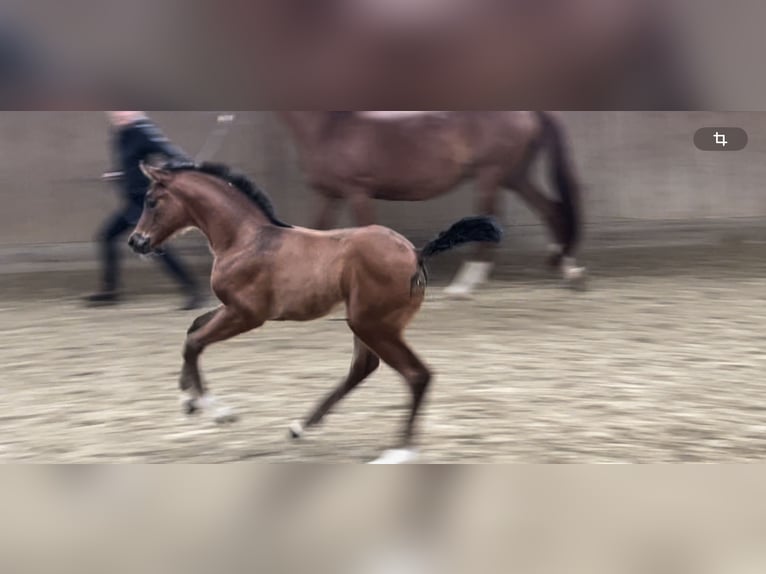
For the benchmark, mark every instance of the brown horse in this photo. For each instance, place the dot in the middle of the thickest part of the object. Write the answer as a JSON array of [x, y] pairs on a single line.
[[266, 270], [356, 157]]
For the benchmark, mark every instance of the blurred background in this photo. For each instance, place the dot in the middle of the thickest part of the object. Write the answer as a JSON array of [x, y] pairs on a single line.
[[547, 520], [517, 54], [641, 171]]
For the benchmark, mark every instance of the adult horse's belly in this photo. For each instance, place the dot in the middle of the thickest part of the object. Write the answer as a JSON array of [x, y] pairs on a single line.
[[412, 158], [414, 192], [419, 177]]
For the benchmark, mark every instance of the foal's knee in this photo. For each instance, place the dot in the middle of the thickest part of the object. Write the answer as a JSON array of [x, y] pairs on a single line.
[[192, 350], [197, 324], [202, 320]]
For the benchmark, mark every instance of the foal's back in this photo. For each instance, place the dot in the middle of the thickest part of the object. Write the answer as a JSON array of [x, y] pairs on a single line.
[[314, 271]]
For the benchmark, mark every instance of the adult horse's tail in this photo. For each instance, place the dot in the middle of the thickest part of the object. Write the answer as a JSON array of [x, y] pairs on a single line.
[[467, 230], [563, 175]]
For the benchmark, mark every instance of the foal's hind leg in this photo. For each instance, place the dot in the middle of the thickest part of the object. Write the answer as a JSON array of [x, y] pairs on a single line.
[[392, 349], [364, 363], [218, 325]]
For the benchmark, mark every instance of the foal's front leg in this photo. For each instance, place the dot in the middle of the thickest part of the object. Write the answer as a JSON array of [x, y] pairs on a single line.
[[218, 325], [191, 380]]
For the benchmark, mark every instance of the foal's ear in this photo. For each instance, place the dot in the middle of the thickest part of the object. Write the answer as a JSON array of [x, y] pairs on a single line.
[[156, 174]]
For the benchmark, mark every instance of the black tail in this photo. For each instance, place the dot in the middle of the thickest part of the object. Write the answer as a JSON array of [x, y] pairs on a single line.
[[563, 176], [468, 229]]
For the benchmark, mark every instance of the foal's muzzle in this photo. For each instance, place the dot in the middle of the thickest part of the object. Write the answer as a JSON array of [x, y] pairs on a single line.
[[139, 243]]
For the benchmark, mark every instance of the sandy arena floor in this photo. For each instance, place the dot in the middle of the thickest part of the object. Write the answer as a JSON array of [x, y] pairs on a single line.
[[662, 360]]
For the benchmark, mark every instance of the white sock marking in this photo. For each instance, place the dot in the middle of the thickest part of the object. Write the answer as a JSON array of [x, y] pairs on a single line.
[[296, 429], [471, 275], [397, 456], [570, 269]]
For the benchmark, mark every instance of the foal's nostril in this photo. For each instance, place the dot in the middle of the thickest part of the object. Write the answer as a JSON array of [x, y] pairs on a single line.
[[138, 242]]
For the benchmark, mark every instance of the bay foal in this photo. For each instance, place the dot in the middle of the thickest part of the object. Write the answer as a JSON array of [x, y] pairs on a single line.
[[267, 270]]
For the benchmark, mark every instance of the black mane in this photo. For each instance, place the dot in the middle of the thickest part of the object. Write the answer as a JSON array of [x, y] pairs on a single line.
[[236, 180]]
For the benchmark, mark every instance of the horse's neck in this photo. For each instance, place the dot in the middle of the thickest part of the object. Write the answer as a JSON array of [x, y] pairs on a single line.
[[225, 216]]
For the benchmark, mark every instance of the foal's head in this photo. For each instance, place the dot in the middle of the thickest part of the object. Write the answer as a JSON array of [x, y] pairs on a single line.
[[168, 205], [164, 212]]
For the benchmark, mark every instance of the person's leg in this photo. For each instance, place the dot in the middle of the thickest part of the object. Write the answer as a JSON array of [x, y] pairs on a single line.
[[114, 227]]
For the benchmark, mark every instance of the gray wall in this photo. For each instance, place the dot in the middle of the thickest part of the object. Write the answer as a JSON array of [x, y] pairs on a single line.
[[639, 170]]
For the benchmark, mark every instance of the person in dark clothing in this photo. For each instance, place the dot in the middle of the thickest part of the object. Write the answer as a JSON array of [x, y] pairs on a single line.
[[136, 139]]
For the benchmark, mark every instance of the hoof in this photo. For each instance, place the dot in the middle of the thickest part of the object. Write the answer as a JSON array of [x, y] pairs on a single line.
[[397, 456], [207, 403], [296, 431], [471, 275], [225, 416], [577, 279], [460, 292], [556, 257], [190, 407], [573, 274]]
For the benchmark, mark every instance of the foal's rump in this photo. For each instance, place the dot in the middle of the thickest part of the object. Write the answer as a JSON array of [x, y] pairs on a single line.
[[385, 264], [380, 258]]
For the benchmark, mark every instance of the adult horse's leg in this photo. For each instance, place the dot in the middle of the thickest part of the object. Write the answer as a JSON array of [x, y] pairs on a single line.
[[392, 349], [218, 325], [564, 179], [551, 212], [362, 208], [328, 212], [364, 363], [474, 273]]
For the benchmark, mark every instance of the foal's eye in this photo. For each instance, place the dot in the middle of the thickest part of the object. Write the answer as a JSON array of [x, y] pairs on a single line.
[[151, 202]]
